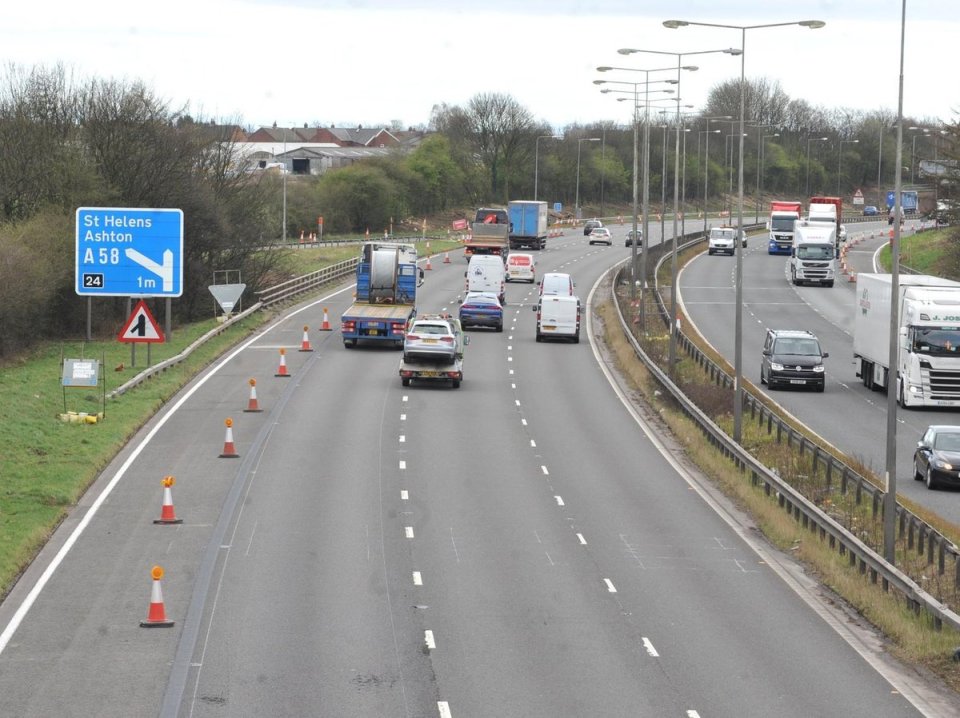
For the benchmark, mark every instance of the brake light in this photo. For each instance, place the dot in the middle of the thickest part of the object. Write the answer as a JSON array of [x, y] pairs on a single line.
[[448, 340], [348, 326], [413, 337], [398, 328]]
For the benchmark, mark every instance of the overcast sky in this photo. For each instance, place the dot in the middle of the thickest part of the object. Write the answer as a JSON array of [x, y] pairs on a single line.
[[372, 62]]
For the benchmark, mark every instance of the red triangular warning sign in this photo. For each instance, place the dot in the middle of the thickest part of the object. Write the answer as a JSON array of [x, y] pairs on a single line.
[[141, 326]]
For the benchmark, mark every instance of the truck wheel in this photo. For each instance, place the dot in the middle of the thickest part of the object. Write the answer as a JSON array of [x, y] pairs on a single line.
[[539, 337], [405, 381], [349, 343], [828, 284], [455, 383], [576, 338]]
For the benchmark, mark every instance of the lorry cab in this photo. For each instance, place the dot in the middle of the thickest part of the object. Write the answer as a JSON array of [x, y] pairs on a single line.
[[485, 273]]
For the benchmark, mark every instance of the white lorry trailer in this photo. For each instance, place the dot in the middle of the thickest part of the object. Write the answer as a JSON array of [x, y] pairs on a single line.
[[813, 257], [928, 339]]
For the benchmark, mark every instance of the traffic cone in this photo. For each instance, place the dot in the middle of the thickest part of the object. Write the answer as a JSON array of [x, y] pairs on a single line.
[[282, 369], [253, 405], [167, 514], [305, 344], [446, 257], [156, 615], [429, 266], [229, 450], [325, 327]]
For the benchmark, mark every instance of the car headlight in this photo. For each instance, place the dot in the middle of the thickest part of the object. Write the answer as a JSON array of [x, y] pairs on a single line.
[[818, 369], [940, 464], [775, 366]]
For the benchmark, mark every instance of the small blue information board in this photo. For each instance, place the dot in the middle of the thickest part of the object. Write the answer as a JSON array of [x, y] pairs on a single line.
[[129, 252], [558, 206]]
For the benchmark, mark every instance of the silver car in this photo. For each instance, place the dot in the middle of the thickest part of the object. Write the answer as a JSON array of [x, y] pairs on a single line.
[[430, 340]]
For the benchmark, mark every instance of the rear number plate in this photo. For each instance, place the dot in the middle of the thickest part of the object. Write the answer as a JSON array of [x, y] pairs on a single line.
[[429, 373], [374, 332]]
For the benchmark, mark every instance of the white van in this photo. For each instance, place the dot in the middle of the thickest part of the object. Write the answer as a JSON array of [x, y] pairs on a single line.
[[557, 283], [485, 273], [558, 316], [521, 268]]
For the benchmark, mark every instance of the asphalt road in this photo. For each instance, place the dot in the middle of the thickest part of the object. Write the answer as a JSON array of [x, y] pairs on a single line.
[[524, 545], [847, 414]]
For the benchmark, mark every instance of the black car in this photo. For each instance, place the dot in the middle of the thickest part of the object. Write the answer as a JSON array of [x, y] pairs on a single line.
[[590, 225], [937, 458], [792, 357], [630, 239]]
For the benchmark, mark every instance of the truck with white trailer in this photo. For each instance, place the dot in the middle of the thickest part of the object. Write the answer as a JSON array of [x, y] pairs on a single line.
[[927, 371]]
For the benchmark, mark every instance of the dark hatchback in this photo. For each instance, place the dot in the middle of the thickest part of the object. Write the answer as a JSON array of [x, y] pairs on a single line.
[[481, 309], [937, 457]]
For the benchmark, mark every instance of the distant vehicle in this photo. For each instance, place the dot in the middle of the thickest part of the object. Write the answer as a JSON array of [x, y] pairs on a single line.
[[937, 457], [521, 268], [558, 316], [814, 258], [600, 235], [634, 237], [783, 215], [481, 309], [557, 283], [870, 211], [590, 225], [722, 240], [890, 216], [528, 224], [792, 357], [489, 233], [909, 200], [431, 340]]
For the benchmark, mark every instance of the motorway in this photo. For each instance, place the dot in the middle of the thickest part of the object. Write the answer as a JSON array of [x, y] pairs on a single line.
[[847, 415], [525, 545]]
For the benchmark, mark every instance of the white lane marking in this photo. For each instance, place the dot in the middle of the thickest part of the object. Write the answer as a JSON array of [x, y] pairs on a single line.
[[544, 470], [509, 358], [523, 421], [428, 639], [517, 402], [403, 417], [649, 646], [408, 531], [550, 559], [403, 464], [610, 587], [403, 439], [444, 709], [559, 500], [513, 385], [582, 539], [693, 714], [509, 347], [405, 397], [511, 372], [533, 443], [404, 495], [417, 579]]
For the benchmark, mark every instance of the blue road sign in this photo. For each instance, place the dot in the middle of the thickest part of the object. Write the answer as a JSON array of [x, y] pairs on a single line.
[[124, 252]]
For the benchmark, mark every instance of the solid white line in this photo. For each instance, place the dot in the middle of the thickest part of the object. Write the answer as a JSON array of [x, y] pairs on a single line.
[[610, 587], [650, 649], [428, 639], [582, 539], [417, 579], [408, 531], [404, 495], [559, 500], [444, 709]]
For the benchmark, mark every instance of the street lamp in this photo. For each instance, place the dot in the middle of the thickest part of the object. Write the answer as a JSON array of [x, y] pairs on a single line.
[[913, 150], [706, 170], [536, 159], [756, 217], [809, 140], [576, 204], [738, 354], [763, 152], [728, 161], [672, 360], [840, 161]]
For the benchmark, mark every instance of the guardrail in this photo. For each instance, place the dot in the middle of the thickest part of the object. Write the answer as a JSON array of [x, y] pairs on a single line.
[[918, 534]]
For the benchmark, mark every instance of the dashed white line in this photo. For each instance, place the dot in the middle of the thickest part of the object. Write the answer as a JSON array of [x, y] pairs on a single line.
[[559, 500], [403, 464], [403, 417], [513, 385], [405, 397], [582, 539], [444, 709], [610, 587], [417, 579], [403, 439], [428, 639], [523, 421], [533, 443], [509, 358], [544, 470], [649, 646], [408, 531], [517, 402], [693, 714], [404, 494]]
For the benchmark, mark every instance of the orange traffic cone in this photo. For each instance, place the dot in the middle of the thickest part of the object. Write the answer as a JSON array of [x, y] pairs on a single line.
[[305, 344], [282, 370], [229, 450], [429, 266], [325, 327], [446, 257], [156, 615], [167, 514], [253, 405]]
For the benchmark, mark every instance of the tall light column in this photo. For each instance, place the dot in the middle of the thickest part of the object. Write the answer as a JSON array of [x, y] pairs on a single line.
[[840, 161], [536, 159], [763, 152], [576, 204], [760, 136], [706, 172], [913, 149], [738, 352], [809, 140]]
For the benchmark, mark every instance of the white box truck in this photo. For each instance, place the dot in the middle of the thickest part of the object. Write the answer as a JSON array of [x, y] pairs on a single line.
[[813, 257], [928, 340]]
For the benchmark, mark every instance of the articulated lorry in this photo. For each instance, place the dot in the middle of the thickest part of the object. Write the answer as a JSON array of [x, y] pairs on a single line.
[[386, 294], [489, 233], [813, 258], [928, 339], [783, 216], [528, 224]]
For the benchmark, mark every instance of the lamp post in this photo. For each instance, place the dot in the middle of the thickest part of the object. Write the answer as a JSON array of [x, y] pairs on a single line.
[[576, 204], [840, 161], [536, 159], [728, 161], [913, 149], [738, 353], [672, 360], [809, 140], [760, 136], [763, 152], [706, 170]]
